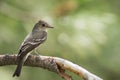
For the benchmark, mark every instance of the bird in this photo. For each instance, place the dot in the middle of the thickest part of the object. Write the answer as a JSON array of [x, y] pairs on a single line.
[[37, 36]]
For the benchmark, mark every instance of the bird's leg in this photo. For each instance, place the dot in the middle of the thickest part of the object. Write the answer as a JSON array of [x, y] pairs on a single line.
[[36, 51]]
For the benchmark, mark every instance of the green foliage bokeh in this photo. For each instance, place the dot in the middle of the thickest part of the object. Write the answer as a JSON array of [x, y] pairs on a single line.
[[86, 32]]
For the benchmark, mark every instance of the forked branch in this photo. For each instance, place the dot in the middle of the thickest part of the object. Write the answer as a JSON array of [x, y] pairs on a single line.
[[55, 64]]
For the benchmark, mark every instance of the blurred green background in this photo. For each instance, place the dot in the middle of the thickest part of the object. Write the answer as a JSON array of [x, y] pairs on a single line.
[[87, 32]]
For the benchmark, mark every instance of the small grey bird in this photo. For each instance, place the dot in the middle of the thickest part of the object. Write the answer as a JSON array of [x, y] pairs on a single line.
[[33, 40]]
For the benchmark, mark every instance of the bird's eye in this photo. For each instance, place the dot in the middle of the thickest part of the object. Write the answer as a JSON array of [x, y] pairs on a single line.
[[43, 25]]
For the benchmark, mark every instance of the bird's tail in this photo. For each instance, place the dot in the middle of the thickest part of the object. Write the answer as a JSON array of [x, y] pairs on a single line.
[[22, 58], [18, 69]]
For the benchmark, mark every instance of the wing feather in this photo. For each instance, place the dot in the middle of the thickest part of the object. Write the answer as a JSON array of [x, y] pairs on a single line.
[[30, 43]]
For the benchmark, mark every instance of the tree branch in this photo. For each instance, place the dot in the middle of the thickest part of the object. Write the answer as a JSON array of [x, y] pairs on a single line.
[[54, 64]]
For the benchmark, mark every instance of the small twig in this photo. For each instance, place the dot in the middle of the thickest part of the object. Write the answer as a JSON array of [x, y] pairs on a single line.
[[54, 64]]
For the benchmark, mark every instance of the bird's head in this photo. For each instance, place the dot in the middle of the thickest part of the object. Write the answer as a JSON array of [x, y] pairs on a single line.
[[41, 25]]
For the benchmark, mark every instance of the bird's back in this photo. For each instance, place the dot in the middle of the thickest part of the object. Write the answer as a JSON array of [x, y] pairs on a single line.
[[31, 42]]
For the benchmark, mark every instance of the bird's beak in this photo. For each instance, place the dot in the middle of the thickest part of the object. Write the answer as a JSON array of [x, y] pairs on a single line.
[[50, 27]]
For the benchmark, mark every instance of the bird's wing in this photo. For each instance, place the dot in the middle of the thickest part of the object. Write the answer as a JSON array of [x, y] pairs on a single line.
[[30, 43]]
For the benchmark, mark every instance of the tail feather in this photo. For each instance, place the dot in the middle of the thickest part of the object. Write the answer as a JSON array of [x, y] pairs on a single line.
[[18, 69], [22, 58]]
